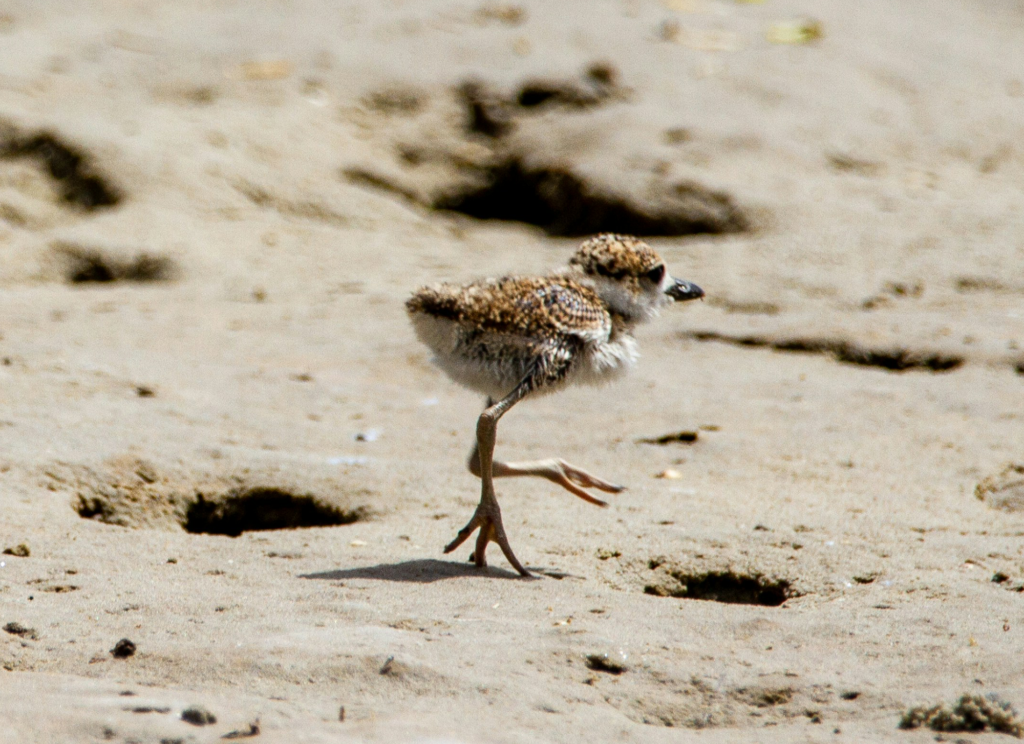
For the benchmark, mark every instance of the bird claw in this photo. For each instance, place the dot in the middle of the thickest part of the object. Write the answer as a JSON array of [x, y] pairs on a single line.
[[491, 530], [574, 480]]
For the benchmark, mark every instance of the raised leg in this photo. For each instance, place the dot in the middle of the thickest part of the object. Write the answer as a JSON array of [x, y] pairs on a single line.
[[556, 470], [487, 516]]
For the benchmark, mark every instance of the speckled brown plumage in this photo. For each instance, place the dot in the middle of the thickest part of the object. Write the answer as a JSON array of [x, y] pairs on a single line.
[[529, 306], [622, 258], [516, 328], [517, 336]]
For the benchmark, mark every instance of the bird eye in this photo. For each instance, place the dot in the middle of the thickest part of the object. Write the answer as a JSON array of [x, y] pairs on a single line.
[[657, 273]]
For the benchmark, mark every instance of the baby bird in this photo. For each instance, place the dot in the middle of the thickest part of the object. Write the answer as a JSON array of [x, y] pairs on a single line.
[[518, 336]]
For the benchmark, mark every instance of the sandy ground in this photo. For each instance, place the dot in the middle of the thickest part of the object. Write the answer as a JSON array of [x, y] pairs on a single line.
[[257, 183]]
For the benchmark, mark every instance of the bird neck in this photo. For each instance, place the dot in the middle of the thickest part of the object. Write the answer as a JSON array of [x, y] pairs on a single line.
[[626, 312], [622, 324]]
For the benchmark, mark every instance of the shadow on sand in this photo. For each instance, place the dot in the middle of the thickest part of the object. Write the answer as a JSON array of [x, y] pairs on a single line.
[[427, 570], [422, 571]]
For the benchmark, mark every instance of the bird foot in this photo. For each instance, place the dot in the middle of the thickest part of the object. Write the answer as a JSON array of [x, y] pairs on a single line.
[[488, 520], [574, 480], [558, 471]]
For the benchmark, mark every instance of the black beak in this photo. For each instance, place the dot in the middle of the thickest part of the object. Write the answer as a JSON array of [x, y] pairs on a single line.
[[681, 290]]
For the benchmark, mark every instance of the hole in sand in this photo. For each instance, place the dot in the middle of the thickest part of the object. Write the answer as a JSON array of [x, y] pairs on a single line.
[[564, 204], [493, 114], [599, 85], [262, 509], [895, 359], [723, 586], [470, 165], [82, 265], [130, 492], [71, 168]]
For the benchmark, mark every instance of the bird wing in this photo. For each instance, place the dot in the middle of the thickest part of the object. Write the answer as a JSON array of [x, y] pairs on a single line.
[[536, 307], [510, 330]]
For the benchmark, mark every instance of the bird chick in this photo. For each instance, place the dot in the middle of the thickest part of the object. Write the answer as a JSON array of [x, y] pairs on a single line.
[[515, 336]]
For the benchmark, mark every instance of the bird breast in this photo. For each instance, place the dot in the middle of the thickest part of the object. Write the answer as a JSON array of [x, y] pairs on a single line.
[[605, 361], [494, 363]]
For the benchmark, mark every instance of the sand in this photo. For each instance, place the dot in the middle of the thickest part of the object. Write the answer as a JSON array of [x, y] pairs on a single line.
[[210, 217]]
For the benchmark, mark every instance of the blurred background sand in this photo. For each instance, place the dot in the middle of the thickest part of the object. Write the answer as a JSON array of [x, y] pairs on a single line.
[[210, 217]]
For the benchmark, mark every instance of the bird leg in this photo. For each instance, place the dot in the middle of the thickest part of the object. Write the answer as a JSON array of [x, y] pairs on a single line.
[[487, 516], [554, 469]]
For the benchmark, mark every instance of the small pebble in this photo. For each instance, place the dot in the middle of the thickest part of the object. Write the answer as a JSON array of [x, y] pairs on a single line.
[[123, 649], [669, 474], [197, 715], [610, 663]]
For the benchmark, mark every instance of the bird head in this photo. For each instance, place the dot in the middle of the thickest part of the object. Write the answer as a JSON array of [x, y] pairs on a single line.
[[630, 276]]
